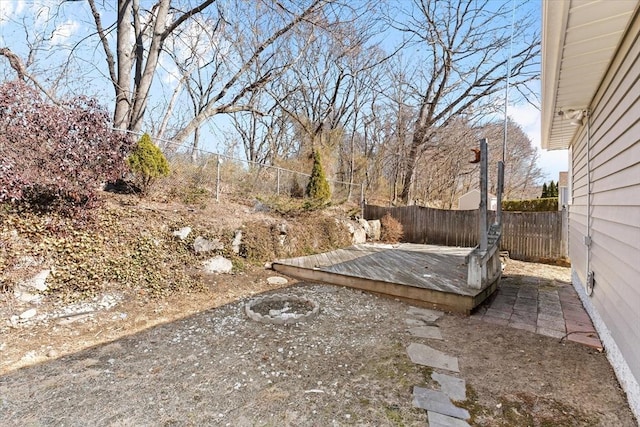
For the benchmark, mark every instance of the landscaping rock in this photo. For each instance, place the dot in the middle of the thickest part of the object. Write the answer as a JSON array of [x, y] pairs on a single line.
[[24, 291], [455, 388], [182, 233], [21, 294], [277, 280], [429, 332], [439, 420], [374, 230], [365, 225], [237, 242], [261, 207], [359, 236], [13, 320], [217, 264], [425, 314], [38, 281], [108, 301], [202, 245], [414, 322], [283, 228], [28, 314]]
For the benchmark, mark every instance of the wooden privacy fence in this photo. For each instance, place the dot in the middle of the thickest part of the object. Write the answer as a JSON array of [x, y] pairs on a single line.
[[527, 236]]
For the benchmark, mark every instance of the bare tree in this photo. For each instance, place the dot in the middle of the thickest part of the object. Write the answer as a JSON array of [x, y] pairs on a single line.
[[522, 174], [141, 35], [38, 53], [327, 94], [390, 123], [465, 45], [445, 171]]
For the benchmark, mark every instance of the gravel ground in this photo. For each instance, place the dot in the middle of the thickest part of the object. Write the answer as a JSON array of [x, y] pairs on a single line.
[[347, 366]]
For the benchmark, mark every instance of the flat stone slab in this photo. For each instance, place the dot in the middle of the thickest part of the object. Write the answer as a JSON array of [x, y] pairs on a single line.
[[414, 322], [437, 401], [425, 314], [427, 356], [455, 388], [431, 332], [439, 420]]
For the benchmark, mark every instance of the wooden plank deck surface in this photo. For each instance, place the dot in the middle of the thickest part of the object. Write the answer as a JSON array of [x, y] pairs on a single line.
[[428, 274]]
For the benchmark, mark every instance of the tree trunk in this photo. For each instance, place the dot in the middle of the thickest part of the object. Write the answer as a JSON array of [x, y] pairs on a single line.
[[194, 148], [143, 81], [409, 170], [125, 61]]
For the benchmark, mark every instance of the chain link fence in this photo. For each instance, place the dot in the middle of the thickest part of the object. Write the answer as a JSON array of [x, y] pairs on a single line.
[[197, 174]]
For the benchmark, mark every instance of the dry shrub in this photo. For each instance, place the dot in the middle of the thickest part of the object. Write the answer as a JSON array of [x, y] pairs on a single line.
[[121, 249], [391, 229], [260, 242], [323, 234], [306, 235]]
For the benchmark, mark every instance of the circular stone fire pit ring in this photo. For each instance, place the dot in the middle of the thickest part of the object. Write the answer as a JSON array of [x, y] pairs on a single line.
[[280, 314]]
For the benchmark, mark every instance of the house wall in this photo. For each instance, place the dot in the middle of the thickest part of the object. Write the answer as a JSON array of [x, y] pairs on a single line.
[[471, 201], [611, 214]]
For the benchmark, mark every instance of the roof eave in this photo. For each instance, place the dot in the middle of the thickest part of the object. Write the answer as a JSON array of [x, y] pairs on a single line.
[[554, 23]]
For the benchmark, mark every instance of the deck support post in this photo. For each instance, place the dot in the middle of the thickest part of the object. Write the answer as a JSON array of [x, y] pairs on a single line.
[[483, 263], [484, 188]]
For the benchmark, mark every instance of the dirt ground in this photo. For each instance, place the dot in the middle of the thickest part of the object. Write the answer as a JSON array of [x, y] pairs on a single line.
[[197, 359]]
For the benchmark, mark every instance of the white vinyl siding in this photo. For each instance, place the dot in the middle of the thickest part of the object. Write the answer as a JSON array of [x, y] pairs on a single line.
[[615, 204]]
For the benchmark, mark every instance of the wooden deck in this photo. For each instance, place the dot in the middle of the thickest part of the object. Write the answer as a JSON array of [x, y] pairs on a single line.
[[428, 275]]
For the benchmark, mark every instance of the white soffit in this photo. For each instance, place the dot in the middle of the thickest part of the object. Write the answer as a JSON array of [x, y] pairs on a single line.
[[579, 39]]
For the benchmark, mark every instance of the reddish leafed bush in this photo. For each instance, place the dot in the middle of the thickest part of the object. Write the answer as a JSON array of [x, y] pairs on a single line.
[[56, 157]]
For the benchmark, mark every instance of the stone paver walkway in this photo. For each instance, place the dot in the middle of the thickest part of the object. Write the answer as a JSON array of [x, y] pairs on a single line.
[[535, 306], [439, 404], [550, 310]]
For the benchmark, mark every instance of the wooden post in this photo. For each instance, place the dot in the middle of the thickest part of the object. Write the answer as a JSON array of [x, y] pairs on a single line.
[[484, 157]]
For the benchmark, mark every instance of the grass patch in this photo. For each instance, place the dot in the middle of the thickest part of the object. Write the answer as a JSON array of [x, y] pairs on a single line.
[[394, 416], [525, 409], [396, 366], [471, 404]]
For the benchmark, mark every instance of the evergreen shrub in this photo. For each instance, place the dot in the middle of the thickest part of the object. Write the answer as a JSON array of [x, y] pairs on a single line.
[[318, 186], [533, 205], [147, 163]]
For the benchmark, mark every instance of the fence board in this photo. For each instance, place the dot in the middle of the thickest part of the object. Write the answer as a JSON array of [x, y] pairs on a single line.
[[527, 236]]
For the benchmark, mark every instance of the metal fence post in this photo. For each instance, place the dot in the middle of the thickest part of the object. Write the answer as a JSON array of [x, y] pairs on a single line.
[[218, 177], [500, 191], [362, 200]]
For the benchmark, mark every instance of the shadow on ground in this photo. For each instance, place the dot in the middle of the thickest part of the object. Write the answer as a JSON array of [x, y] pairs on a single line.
[[348, 366]]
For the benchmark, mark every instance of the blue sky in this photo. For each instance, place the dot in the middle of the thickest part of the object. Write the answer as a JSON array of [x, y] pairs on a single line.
[[69, 26], [551, 162], [528, 116]]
